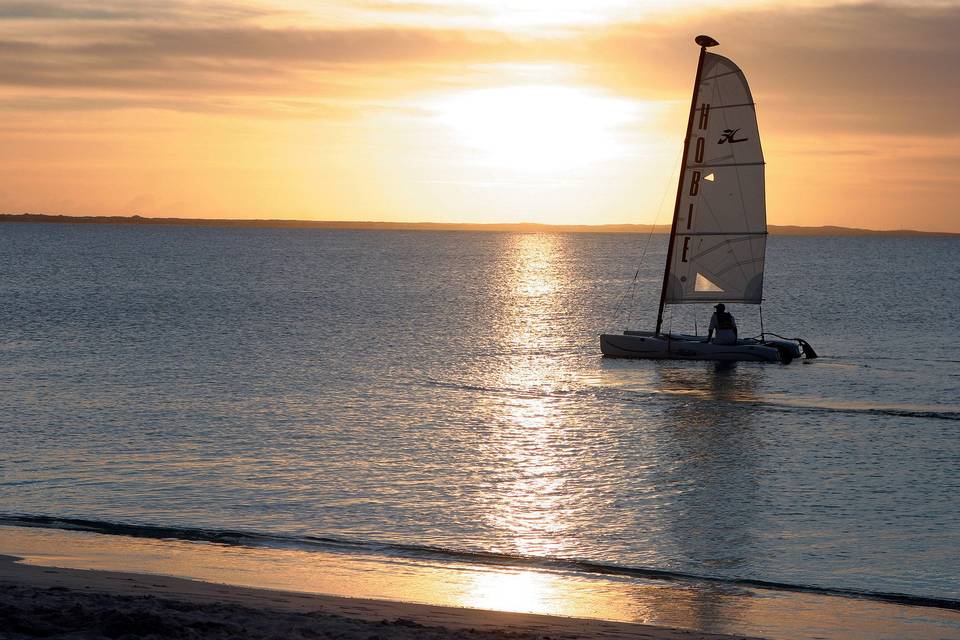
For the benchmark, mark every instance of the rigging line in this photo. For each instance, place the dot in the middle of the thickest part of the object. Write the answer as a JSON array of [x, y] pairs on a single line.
[[621, 305], [646, 245]]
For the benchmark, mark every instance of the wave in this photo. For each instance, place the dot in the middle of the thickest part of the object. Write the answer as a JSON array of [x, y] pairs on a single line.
[[558, 391], [747, 401], [743, 400], [902, 359], [422, 552], [931, 413]]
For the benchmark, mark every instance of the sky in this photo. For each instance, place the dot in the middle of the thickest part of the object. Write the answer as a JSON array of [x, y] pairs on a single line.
[[549, 111]]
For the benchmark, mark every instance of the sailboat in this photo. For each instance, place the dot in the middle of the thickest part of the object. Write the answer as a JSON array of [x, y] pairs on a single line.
[[718, 235]]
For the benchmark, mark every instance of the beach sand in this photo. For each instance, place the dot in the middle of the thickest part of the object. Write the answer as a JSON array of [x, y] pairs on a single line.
[[38, 601]]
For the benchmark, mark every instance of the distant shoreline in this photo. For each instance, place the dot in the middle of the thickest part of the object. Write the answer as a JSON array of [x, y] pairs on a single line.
[[520, 227]]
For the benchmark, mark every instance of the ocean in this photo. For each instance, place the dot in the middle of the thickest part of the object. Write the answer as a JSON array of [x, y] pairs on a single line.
[[442, 395]]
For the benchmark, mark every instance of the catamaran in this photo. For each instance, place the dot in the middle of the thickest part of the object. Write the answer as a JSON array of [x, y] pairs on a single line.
[[718, 236]]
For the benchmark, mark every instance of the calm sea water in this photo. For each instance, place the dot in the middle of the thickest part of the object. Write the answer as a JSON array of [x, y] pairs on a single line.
[[445, 390]]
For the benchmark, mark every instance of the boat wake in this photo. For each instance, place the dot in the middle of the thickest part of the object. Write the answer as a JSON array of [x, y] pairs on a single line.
[[860, 408], [439, 554], [752, 401]]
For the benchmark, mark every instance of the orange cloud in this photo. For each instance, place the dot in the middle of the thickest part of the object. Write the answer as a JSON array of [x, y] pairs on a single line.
[[857, 101]]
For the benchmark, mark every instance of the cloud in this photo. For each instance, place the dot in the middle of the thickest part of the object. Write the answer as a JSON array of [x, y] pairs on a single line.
[[425, 8], [39, 10], [127, 11], [248, 62], [869, 67], [301, 46]]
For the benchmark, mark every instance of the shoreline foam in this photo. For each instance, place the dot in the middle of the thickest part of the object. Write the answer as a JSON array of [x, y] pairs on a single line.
[[254, 540]]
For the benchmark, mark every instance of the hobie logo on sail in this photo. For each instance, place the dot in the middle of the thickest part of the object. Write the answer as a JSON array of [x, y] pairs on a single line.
[[728, 136]]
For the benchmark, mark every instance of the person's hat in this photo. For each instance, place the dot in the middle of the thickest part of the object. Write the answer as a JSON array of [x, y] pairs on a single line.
[[719, 307]]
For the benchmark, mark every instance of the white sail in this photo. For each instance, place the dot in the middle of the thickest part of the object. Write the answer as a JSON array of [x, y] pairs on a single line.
[[721, 223]]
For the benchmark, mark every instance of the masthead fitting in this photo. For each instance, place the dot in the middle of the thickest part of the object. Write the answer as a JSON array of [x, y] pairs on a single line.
[[706, 41]]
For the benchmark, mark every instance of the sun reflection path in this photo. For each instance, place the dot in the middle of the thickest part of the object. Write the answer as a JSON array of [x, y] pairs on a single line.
[[530, 504], [536, 284], [528, 449]]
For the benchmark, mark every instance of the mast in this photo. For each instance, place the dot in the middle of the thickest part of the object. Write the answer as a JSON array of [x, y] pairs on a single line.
[[704, 42]]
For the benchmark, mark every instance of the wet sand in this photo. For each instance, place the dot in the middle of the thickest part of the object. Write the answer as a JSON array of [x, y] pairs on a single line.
[[105, 583], [54, 602]]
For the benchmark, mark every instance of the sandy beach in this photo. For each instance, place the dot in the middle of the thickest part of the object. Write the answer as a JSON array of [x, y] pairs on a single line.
[[40, 601]]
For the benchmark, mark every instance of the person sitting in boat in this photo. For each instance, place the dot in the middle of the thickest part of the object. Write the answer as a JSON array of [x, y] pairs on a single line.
[[723, 323]]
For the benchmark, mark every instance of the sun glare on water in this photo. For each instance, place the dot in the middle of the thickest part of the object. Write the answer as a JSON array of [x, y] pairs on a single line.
[[538, 128]]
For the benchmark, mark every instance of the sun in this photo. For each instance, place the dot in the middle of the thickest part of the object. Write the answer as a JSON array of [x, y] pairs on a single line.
[[538, 128]]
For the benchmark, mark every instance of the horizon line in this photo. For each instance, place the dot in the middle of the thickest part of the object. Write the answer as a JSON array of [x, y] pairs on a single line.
[[135, 219]]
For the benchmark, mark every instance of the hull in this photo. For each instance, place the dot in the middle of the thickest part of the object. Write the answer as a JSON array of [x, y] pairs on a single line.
[[648, 345]]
